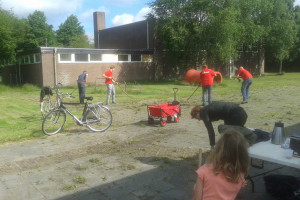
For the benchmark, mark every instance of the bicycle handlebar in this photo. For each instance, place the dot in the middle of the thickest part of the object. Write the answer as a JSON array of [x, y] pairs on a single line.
[[60, 94]]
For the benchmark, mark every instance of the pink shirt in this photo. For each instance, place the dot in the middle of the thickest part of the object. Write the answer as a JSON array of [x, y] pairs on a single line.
[[216, 186]]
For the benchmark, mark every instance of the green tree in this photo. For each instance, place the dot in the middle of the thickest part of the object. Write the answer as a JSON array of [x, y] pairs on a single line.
[[12, 33], [39, 33], [224, 27], [295, 52], [71, 33], [224, 30], [283, 33]]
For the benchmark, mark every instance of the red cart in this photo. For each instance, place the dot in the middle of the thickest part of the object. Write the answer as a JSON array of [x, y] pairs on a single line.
[[169, 111]]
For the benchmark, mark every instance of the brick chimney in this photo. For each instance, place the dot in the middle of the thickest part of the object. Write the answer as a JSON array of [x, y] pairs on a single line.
[[99, 24]]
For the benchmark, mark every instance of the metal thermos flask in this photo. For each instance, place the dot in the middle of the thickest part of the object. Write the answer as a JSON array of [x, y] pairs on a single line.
[[278, 135]]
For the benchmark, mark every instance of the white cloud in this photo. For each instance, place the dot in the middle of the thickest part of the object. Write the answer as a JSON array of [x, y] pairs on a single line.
[[142, 14], [23, 8], [122, 19], [128, 18], [122, 2], [55, 11]]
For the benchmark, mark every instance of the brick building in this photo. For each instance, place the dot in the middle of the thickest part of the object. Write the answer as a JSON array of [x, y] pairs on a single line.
[[130, 48]]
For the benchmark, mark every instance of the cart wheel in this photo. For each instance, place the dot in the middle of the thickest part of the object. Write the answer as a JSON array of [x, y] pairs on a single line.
[[163, 123], [176, 119], [150, 121], [169, 118]]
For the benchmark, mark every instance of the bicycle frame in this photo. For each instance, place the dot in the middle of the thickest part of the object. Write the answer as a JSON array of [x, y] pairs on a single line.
[[64, 108]]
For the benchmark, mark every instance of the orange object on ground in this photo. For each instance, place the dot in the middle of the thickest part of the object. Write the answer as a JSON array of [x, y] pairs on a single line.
[[218, 78], [193, 76]]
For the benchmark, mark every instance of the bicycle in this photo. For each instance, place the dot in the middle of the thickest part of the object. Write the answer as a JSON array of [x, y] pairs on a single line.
[[95, 117], [46, 104]]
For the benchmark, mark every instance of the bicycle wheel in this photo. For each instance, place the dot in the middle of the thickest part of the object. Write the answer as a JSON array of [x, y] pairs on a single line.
[[54, 122], [46, 107], [98, 118]]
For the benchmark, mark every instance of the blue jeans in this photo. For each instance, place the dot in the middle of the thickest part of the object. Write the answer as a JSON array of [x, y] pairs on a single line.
[[81, 88], [246, 88], [207, 89], [110, 90]]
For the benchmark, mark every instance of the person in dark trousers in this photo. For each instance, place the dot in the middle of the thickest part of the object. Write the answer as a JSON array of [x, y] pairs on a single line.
[[247, 81], [231, 113], [81, 81], [207, 80]]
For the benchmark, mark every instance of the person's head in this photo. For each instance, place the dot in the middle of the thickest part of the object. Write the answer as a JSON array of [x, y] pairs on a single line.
[[195, 112], [230, 156], [241, 67], [204, 66], [111, 68], [84, 71]]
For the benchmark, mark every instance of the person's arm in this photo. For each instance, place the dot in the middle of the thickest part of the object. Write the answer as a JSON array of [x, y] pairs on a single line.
[[238, 75], [104, 75], [198, 188], [209, 127], [115, 81]]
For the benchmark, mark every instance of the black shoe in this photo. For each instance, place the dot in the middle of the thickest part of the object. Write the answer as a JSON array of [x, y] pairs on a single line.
[[243, 102], [114, 103]]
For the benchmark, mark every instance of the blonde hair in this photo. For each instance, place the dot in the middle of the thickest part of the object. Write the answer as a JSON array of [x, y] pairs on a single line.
[[230, 156]]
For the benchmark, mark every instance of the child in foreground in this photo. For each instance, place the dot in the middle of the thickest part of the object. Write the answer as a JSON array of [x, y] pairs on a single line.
[[224, 173]]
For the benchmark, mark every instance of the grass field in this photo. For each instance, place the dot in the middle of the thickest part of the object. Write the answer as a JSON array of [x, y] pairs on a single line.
[[20, 117]]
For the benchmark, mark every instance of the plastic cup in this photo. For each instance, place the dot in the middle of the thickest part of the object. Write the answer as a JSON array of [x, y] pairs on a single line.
[[288, 153]]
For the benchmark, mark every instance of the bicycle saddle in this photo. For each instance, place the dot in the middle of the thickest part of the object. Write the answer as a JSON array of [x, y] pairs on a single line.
[[89, 98]]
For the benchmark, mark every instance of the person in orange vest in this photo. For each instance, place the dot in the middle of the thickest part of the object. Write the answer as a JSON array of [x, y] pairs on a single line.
[[207, 80], [109, 81], [247, 81]]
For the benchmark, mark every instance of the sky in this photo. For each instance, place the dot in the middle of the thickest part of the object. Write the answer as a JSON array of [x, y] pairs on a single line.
[[117, 12]]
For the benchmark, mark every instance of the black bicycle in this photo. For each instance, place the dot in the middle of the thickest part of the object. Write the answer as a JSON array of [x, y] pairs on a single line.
[[95, 117]]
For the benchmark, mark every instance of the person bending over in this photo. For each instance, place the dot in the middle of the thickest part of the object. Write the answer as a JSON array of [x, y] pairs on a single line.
[[231, 113], [247, 81], [223, 174]]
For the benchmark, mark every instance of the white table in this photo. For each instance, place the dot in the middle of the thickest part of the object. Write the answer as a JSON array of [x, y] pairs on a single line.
[[273, 153], [266, 151]]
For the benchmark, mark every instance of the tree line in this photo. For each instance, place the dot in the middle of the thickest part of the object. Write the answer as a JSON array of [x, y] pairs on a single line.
[[20, 35], [225, 27], [183, 27]]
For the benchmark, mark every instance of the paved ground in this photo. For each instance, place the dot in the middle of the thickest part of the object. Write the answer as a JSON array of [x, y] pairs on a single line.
[[131, 160], [94, 166]]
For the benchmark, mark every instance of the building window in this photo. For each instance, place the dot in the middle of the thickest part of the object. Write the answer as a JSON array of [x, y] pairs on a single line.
[[65, 57], [80, 57], [136, 57], [37, 58], [26, 59], [122, 57], [31, 57], [95, 57]]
